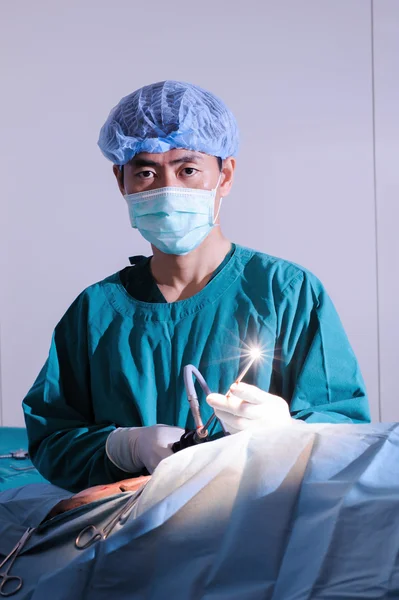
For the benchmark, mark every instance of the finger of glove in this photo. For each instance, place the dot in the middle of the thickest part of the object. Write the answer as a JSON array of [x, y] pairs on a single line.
[[236, 406], [215, 400], [234, 423], [226, 426], [162, 435], [274, 409], [256, 396], [155, 443], [249, 393]]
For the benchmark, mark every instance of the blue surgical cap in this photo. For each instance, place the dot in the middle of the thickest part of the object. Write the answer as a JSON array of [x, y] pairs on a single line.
[[166, 115]]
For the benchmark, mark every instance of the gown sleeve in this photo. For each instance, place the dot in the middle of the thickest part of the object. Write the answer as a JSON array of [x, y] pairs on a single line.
[[315, 368], [66, 445]]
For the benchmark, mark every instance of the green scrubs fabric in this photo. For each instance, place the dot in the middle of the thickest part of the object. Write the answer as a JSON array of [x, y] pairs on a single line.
[[116, 361], [140, 283]]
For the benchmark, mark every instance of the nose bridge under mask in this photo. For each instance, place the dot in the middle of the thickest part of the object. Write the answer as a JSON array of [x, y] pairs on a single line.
[[174, 219], [178, 190]]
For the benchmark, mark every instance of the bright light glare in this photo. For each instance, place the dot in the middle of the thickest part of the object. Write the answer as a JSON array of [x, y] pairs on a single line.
[[256, 353]]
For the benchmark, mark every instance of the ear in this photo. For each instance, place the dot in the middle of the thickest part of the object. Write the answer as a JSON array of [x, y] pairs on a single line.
[[118, 172], [229, 165]]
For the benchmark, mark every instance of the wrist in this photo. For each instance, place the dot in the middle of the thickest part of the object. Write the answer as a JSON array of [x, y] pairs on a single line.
[[122, 449]]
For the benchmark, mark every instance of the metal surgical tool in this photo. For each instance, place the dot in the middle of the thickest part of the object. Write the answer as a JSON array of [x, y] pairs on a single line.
[[200, 433], [22, 468], [255, 354], [18, 454], [13, 582], [93, 534]]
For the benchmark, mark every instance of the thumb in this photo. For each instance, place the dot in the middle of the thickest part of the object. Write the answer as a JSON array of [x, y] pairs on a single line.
[[216, 400]]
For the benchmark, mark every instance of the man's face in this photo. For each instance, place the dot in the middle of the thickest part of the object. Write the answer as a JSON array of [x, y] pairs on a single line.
[[176, 168]]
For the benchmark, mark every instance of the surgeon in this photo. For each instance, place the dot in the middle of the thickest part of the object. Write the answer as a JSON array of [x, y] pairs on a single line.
[[110, 400]]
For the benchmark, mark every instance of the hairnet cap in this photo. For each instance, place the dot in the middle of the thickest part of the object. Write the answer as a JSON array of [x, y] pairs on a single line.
[[166, 115]]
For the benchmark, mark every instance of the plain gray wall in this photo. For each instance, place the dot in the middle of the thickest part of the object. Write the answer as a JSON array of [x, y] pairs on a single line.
[[297, 74], [386, 61]]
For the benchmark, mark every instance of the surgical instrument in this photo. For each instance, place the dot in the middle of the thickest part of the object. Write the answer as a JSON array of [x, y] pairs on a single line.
[[200, 434], [13, 581], [22, 468], [191, 437], [255, 354], [189, 371], [93, 534], [17, 454]]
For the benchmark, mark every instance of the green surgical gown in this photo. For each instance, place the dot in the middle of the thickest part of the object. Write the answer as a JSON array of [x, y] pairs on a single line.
[[115, 361]]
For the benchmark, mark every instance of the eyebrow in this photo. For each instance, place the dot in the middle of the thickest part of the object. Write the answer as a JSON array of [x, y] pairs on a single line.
[[143, 162]]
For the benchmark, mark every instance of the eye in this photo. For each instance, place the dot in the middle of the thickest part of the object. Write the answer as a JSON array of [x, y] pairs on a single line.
[[145, 174], [189, 171]]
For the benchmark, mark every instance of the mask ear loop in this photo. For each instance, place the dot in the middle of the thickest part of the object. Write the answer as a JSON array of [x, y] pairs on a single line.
[[220, 203], [217, 214]]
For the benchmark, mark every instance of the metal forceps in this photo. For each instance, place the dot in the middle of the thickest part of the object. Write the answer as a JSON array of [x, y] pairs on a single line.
[[13, 582], [93, 534], [18, 454]]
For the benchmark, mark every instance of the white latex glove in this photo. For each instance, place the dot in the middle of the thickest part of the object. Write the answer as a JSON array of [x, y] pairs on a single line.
[[133, 448], [247, 405]]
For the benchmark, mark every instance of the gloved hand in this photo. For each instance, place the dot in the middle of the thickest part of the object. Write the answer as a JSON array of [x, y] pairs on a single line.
[[246, 405], [133, 448]]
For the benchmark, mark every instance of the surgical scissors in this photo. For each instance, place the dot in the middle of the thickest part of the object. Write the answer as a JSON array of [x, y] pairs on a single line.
[[5, 578], [93, 534], [22, 468]]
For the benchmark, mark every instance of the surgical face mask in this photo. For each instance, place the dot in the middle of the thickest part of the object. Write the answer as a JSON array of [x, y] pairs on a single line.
[[174, 219]]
